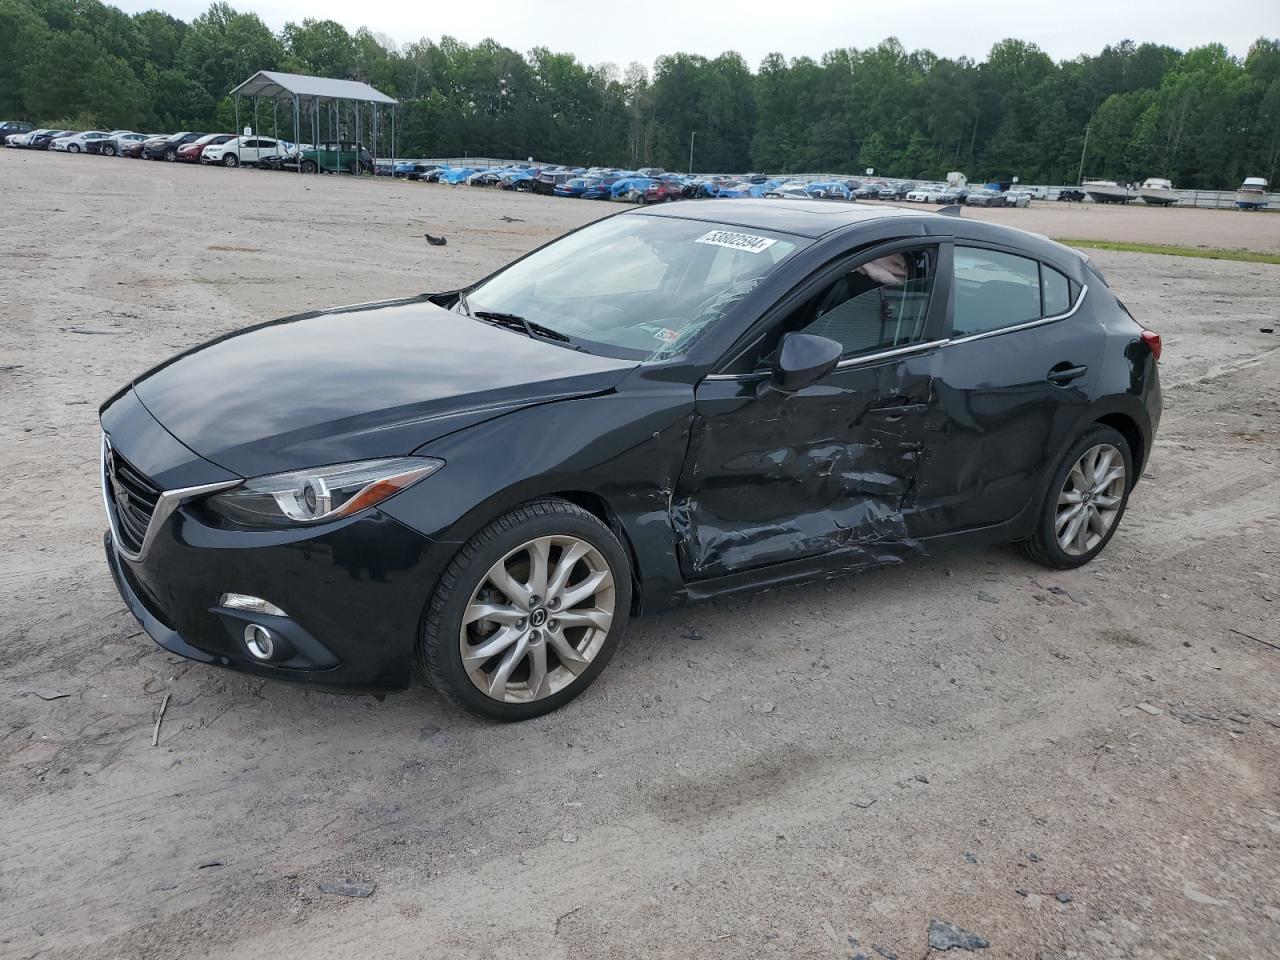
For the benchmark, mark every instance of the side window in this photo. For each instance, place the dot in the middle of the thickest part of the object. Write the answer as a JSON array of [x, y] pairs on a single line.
[[879, 305], [1057, 291], [993, 290]]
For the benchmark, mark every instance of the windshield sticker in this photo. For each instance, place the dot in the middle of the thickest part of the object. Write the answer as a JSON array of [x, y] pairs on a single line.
[[736, 241]]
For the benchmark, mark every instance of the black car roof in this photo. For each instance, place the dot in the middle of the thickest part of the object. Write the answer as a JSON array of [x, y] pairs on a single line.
[[818, 218]]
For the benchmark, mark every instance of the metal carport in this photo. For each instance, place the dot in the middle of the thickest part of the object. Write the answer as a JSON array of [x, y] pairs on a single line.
[[317, 93]]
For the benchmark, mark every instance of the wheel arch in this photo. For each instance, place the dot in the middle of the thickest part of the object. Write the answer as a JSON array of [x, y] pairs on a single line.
[[1128, 428]]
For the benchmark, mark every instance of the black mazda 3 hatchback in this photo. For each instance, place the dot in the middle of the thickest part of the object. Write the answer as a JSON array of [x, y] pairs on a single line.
[[666, 405]]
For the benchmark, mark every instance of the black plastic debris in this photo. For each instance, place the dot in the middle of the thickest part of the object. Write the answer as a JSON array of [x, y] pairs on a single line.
[[435, 241], [947, 936]]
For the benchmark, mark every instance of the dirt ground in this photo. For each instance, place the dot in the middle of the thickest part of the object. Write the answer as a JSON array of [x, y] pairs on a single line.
[[815, 772]]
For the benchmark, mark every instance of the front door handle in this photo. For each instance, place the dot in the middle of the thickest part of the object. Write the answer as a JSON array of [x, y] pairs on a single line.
[[1064, 373]]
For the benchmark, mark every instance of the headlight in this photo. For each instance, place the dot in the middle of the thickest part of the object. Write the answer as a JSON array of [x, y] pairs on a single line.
[[324, 493]]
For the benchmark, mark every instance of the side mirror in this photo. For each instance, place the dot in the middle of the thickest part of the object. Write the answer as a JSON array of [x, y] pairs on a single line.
[[803, 360]]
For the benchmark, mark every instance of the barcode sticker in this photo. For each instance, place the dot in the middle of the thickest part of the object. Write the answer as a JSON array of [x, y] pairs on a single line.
[[737, 241]]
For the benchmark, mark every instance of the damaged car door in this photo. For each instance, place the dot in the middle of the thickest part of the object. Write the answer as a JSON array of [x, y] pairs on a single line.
[[828, 469]]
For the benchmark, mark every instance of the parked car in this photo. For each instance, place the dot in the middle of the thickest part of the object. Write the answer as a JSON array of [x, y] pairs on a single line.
[[1071, 195], [1017, 198], [76, 142], [982, 197], [167, 149], [192, 152], [546, 183], [789, 191], [113, 144], [23, 141], [249, 151], [137, 148], [828, 190], [700, 398], [12, 127], [663, 190], [926, 194], [573, 187], [415, 171], [868, 191]]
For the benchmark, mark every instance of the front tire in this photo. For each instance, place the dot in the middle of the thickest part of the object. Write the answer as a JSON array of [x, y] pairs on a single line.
[[230, 160], [528, 613], [1085, 502], [73, 148], [309, 166], [108, 150]]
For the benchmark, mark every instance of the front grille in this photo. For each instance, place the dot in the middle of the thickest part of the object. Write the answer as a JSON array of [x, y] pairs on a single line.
[[132, 499]]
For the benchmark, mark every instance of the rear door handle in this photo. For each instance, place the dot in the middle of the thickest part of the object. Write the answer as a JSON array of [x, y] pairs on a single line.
[[1062, 374]]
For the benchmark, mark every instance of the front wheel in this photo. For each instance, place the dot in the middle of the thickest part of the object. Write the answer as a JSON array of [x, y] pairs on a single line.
[[73, 148], [309, 166], [528, 613], [1086, 499], [108, 150], [230, 160]]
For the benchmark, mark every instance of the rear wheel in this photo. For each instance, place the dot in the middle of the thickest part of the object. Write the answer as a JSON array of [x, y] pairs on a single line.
[[1086, 499], [230, 160], [528, 613], [171, 155], [108, 150]]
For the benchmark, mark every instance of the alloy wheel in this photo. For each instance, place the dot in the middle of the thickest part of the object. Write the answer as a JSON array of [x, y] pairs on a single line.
[[537, 619], [1090, 499]]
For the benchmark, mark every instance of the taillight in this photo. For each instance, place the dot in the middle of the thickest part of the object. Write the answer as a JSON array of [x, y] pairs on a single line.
[[1152, 340]]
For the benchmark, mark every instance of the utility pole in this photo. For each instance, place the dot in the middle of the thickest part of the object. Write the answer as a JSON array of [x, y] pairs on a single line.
[[692, 134], [1080, 174]]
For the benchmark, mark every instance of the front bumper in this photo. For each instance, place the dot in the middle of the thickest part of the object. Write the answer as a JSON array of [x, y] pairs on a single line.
[[353, 596], [353, 591]]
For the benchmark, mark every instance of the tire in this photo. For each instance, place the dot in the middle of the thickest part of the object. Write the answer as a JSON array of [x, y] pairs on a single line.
[[73, 148], [562, 527], [171, 155], [309, 166], [353, 168], [108, 150], [1045, 546], [230, 160]]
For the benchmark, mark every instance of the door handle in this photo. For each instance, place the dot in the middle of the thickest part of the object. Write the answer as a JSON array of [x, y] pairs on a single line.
[[1064, 373]]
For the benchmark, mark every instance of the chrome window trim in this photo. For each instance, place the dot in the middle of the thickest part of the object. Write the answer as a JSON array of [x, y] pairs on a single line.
[[1028, 325], [168, 502], [843, 364]]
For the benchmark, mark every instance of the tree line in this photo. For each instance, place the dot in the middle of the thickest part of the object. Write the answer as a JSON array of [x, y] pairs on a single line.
[[1202, 118]]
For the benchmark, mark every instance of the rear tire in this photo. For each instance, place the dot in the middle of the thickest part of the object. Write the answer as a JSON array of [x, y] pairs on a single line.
[[108, 150], [551, 660], [1078, 502], [171, 155]]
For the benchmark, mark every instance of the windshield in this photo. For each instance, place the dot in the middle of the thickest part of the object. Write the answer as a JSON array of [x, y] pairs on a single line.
[[637, 287]]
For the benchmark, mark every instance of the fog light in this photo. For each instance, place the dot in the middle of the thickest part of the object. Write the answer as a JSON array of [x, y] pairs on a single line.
[[260, 643], [241, 601]]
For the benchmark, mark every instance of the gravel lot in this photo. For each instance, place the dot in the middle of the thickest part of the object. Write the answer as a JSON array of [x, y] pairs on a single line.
[[1069, 765]]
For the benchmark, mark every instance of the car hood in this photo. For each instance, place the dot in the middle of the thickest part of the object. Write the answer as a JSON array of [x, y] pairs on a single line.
[[374, 380]]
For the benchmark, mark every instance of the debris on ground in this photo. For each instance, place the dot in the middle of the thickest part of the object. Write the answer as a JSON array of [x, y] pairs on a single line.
[[970, 858], [49, 694], [435, 241], [862, 803], [1062, 897], [511, 219], [1190, 891], [920, 778], [884, 952], [945, 936], [206, 864], [155, 733], [986, 597], [347, 888], [1149, 709]]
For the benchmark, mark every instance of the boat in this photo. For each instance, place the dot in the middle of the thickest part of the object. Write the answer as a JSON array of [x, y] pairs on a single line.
[[1158, 192], [1107, 191], [1252, 194]]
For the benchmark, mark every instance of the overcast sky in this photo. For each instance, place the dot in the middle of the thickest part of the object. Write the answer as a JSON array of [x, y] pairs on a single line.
[[621, 33]]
